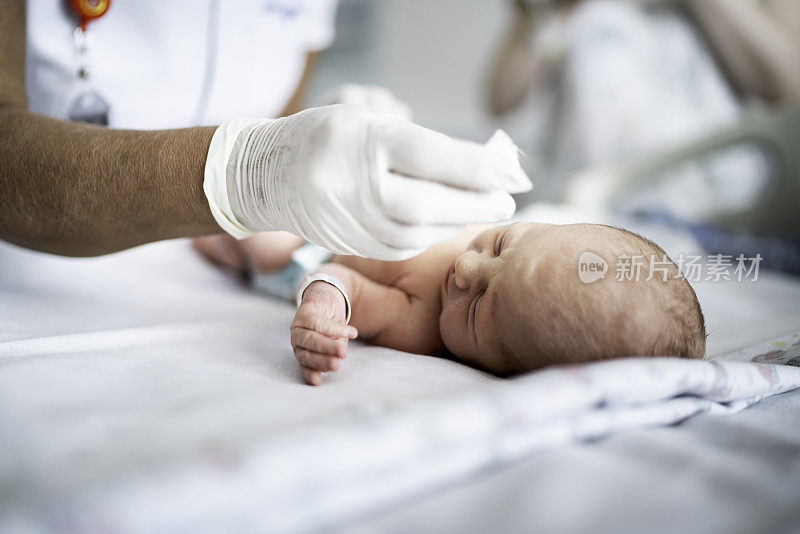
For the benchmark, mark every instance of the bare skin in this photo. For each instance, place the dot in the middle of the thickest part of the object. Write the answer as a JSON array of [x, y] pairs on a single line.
[[504, 299], [394, 304], [448, 300], [518, 67], [758, 44], [82, 190]]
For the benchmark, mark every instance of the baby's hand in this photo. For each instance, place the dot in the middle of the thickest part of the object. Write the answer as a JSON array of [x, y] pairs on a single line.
[[319, 333]]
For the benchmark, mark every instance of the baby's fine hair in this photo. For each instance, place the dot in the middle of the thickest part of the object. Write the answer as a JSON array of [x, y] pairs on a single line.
[[684, 333], [579, 323]]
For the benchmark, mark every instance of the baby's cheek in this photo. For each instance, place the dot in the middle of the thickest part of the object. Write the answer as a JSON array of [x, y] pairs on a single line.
[[449, 329], [458, 340]]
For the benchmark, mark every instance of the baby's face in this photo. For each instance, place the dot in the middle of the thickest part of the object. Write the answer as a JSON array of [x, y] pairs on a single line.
[[492, 295], [479, 289]]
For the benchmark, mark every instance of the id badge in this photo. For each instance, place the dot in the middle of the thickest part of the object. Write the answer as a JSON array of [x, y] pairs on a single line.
[[88, 105]]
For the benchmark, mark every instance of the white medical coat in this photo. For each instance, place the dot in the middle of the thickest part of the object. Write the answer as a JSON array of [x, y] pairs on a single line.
[[176, 63]]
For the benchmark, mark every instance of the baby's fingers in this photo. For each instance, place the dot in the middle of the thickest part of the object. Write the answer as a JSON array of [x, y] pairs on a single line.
[[308, 317], [316, 361], [314, 341], [311, 377]]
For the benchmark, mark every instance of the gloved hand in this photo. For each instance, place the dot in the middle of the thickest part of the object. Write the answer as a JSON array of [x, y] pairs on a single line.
[[355, 180], [373, 96]]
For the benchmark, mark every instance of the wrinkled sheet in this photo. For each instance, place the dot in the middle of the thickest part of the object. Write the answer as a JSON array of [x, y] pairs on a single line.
[[736, 474], [148, 392]]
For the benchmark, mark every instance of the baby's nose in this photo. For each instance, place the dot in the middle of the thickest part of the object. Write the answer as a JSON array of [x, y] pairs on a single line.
[[466, 269]]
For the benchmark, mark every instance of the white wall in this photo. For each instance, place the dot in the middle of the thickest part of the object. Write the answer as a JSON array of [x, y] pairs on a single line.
[[433, 54]]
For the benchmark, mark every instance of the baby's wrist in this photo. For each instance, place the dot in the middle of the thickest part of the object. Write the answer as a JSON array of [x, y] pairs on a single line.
[[327, 298], [326, 292]]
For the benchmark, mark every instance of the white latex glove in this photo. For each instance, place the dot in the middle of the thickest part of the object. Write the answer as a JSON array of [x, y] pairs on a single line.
[[373, 96], [356, 181]]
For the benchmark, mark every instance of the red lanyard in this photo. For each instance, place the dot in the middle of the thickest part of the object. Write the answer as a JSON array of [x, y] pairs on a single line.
[[88, 10]]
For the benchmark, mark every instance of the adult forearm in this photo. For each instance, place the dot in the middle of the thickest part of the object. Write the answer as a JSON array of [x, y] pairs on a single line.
[[760, 55], [81, 190]]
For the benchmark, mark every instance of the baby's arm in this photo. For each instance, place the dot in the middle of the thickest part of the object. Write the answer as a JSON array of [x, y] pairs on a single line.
[[266, 251], [382, 314]]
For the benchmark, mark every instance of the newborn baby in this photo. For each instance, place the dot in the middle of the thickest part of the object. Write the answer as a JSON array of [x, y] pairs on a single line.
[[505, 299]]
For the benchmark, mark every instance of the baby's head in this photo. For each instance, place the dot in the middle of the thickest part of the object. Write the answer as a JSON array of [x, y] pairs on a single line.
[[514, 300]]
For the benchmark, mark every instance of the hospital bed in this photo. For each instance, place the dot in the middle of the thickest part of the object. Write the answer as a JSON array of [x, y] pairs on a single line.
[[771, 202], [148, 391]]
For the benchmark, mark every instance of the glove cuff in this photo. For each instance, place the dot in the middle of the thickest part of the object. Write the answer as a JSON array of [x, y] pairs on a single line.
[[221, 172]]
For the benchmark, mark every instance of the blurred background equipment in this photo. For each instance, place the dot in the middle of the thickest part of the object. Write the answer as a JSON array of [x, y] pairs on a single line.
[[604, 81], [681, 110], [769, 206]]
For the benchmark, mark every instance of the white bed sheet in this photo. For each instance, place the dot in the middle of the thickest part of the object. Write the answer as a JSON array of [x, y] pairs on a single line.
[[737, 475], [121, 365]]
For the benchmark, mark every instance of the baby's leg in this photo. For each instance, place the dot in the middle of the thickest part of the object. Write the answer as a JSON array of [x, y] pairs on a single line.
[[221, 249], [267, 251]]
